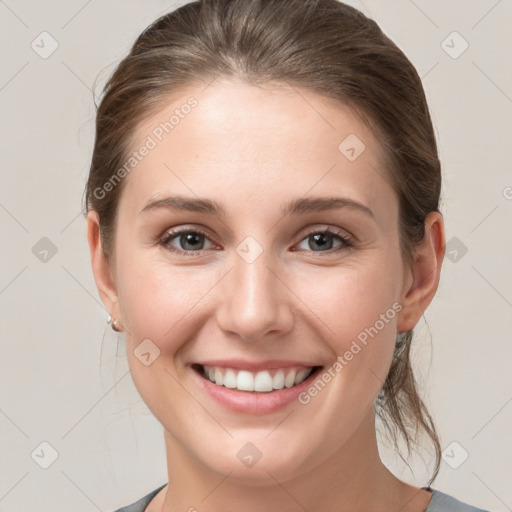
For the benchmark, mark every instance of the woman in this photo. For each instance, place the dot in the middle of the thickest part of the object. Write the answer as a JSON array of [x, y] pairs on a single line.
[[264, 229]]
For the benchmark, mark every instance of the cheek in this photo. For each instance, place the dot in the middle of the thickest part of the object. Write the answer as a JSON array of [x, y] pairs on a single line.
[[157, 300], [353, 297], [358, 308], [158, 303]]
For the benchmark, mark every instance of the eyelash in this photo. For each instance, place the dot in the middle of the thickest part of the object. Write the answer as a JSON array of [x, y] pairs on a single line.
[[346, 242]]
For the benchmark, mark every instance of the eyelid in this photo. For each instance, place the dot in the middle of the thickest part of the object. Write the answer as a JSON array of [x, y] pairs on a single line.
[[328, 229]]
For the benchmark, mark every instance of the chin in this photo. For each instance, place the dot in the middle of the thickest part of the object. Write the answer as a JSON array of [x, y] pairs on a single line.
[[262, 462]]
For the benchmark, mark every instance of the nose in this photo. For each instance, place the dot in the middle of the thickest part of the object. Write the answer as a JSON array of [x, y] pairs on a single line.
[[255, 302]]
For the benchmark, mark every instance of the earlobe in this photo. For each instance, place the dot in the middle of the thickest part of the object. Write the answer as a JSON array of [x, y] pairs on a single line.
[[101, 267], [424, 274]]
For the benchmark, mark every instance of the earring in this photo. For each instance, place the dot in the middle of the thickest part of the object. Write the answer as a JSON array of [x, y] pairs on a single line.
[[114, 324]]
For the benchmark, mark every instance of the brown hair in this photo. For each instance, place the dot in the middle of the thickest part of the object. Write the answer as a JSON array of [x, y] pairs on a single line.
[[323, 46]]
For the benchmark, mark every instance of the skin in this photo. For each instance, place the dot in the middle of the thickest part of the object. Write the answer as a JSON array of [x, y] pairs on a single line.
[[253, 149]]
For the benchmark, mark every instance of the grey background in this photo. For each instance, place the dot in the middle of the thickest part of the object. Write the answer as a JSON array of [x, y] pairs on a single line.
[[63, 374]]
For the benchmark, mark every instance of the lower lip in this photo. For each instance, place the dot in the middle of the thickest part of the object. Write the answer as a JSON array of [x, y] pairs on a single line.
[[253, 402]]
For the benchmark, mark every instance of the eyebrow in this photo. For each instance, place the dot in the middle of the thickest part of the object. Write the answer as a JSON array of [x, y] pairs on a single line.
[[296, 206]]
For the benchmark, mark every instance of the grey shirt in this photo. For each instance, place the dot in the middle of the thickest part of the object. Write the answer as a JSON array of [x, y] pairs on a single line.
[[440, 502]]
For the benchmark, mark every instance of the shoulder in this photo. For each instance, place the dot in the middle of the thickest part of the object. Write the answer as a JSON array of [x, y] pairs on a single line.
[[140, 505], [441, 502]]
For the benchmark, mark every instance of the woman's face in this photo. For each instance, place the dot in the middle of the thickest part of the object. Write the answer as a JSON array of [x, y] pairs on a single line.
[[256, 290]]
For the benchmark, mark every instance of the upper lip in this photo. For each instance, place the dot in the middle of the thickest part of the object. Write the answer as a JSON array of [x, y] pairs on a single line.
[[255, 366]]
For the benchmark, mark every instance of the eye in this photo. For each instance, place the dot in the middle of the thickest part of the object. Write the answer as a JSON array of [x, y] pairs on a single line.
[[188, 240], [193, 241], [323, 239]]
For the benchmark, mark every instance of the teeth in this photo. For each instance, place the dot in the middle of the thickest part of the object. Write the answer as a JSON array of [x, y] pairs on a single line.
[[230, 379], [261, 382], [244, 381], [289, 380], [301, 375], [219, 378], [278, 380]]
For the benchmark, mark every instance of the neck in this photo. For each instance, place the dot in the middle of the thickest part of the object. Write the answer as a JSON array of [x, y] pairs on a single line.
[[352, 478]]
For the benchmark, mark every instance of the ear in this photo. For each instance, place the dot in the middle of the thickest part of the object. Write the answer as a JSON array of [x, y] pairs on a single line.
[[423, 278], [101, 267]]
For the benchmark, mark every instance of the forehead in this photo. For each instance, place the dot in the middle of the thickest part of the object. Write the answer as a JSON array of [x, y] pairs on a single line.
[[259, 142]]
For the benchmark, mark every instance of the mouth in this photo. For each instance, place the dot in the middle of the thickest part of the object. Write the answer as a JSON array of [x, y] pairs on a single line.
[[266, 381]]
